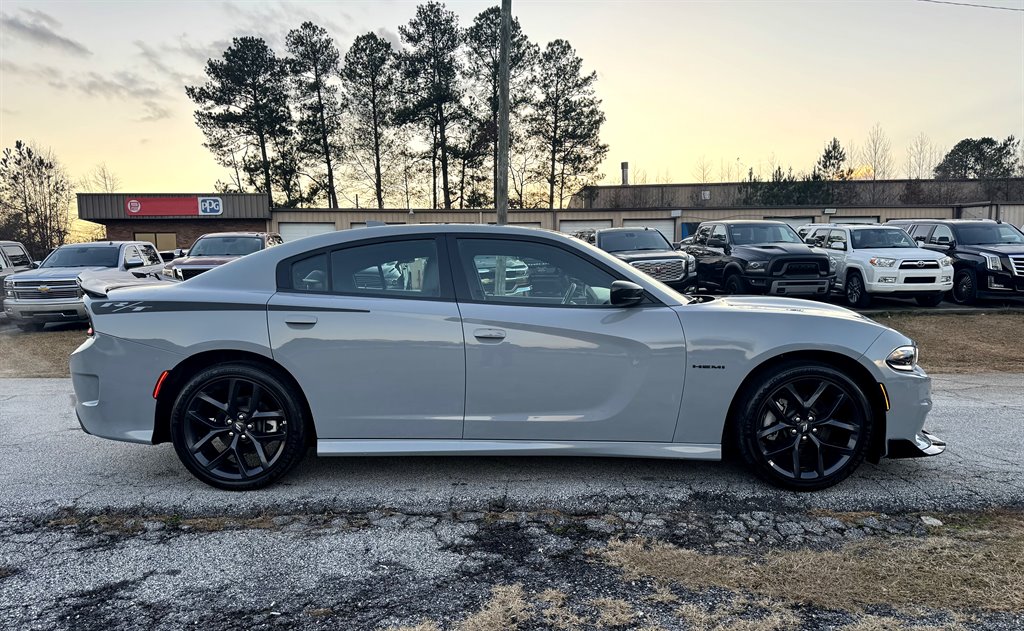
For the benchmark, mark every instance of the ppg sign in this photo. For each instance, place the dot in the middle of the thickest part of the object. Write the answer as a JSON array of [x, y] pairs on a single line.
[[210, 206]]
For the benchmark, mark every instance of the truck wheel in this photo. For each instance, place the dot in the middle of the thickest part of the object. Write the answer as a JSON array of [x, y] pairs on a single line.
[[804, 426], [857, 295], [734, 285], [965, 287], [238, 426], [932, 300], [31, 327]]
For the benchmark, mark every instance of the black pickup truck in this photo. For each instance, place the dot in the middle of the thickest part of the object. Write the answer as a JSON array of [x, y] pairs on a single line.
[[758, 257]]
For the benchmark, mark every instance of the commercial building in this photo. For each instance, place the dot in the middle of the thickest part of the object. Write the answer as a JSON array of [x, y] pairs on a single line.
[[176, 220]]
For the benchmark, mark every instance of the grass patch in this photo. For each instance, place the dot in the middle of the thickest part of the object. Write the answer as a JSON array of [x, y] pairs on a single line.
[[506, 610], [42, 354], [964, 343], [613, 613], [962, 568]]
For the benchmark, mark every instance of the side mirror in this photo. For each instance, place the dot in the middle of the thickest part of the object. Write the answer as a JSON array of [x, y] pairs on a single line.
[[920, 238], [132, 264], [625, 293], [178, 253], [837, 246], [716, 243]]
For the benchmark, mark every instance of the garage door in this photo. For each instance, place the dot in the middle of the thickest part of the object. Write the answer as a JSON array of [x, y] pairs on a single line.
[[293, 230], [855, 220], [795, 222], [666, 227], [575, 225]]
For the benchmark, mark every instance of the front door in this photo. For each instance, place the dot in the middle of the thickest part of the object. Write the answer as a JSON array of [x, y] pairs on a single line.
[[547, 356], [372, 333]]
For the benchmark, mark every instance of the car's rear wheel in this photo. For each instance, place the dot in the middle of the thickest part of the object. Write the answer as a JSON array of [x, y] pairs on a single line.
[[238, 426], [804, 426], [965, 287], [932, 300], [857, 295]]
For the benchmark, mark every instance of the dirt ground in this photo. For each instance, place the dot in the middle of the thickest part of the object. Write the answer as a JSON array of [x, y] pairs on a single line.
[[949, 344]]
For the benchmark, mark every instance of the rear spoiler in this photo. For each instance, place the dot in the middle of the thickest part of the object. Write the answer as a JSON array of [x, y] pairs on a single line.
[[98, 285]]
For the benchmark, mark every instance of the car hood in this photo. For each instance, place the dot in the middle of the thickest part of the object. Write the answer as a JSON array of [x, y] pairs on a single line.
[[770, 305], [201, 261], [903, 253], [995, 248], [775, 249], [57, 273], [645, 255]]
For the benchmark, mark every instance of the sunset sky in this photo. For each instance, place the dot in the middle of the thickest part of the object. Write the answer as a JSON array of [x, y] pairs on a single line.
[[740, 83]]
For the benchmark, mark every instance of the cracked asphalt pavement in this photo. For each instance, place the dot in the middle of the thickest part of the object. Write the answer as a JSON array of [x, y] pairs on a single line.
[[48, 464]]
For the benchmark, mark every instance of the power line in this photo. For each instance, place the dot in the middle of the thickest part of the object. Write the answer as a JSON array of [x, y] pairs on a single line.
[[975, 6]]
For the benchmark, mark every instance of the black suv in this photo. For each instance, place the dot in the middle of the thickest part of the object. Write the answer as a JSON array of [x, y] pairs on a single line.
[[988, 256], [647, 250], [760, 257]]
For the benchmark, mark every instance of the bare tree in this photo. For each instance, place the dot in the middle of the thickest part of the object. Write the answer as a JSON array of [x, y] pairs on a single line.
[[702, 171], [921, 158], [101, 180], [877, 154], [35, 194]]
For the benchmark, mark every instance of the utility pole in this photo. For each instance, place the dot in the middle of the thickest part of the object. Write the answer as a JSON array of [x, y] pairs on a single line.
[[501, 185]]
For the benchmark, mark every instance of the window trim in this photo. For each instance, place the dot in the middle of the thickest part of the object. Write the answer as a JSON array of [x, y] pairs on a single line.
[[464, 295], [447, 293]]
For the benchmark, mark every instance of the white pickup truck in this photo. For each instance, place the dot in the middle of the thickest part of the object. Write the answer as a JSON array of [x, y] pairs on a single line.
[[884, 261]]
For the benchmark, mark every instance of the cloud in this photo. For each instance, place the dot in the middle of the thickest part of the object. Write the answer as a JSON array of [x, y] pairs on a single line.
[[272, 20], [8, 112], [122, 84], [38, 27], [390, 36], [53, 76], [154, 112]]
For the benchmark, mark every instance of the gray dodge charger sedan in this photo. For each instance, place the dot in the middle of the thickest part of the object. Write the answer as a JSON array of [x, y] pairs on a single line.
[[405, 340]]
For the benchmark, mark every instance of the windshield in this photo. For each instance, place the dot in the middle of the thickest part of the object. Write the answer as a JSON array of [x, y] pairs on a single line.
[[988, 234], [83, 256], [226, 246], [753, 234], [881, 238], [634, 240]]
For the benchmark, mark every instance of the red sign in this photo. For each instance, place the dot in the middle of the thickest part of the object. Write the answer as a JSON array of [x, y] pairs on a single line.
[[172, 206]]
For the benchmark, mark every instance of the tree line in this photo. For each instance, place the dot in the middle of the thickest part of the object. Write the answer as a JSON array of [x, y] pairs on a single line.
[[403, 126]]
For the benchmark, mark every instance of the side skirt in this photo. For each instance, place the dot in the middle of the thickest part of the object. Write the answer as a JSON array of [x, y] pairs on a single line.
[[456, 447]]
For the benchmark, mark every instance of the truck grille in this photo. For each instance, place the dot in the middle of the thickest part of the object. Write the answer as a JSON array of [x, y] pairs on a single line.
[[919, 265], [798, 267], [1017, 263], [185, 273], [55, 290], [662, 269]]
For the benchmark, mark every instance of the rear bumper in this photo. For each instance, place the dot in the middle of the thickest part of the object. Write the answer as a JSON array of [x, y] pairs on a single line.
[[113, 381], [45, 310]]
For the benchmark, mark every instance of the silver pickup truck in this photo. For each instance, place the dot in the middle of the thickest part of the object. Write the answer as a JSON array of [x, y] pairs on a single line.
[[50, 293]]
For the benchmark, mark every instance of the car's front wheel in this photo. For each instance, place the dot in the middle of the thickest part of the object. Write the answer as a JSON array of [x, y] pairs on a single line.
[[857, 295], [804, 426], [734, 285], [238, 426], [965, 287]]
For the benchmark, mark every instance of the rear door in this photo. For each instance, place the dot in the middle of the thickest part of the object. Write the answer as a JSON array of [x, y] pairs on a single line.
[[557, 361], [372, 333]]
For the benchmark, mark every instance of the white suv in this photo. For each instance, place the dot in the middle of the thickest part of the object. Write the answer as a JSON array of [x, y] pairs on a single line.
[[883, 260]]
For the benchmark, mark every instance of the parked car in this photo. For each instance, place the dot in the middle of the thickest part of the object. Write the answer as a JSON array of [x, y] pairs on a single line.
[[759, 257], [14, 258], [217, 248], [873, 260], [51, 293], [647, 250], [988, 256], [243, 366]]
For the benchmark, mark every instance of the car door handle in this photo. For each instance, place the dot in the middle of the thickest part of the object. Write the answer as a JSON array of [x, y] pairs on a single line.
[[300, 320], [489, 334]]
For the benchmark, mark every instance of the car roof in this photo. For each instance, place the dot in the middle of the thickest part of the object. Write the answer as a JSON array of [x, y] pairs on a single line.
[[945, 221], [740, 222], [95, 243], [235, 234], [624, 229]]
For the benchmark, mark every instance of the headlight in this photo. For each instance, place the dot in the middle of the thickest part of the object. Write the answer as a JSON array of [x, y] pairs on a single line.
[[945, 262], [903, 359], [755, 266], [8, 283], [992, 262], [881, 261]]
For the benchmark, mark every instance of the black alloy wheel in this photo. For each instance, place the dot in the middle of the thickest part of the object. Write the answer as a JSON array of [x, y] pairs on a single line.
[[237, 426], [734, 285], [805, 427], [965, 287], [856, 294]]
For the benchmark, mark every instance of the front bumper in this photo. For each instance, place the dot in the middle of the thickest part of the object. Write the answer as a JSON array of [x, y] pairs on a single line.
[[113, 381], [776, 286], [906, 282], [923, 444], [41, 311], [994, 284]]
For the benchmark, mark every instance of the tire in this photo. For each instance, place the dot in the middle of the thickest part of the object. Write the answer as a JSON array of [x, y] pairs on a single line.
[[965, 287], [734, 285], [857, 295], [31, 327], [783, 450], [222, 442], [932, 300]]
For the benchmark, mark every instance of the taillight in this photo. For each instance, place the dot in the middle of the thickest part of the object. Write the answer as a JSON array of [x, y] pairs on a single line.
[[89, 331]]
